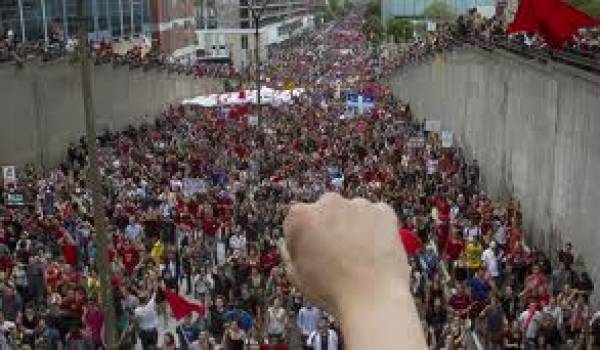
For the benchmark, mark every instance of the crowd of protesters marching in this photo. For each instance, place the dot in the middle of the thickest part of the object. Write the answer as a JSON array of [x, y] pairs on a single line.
[[195, 203], [214, 238]]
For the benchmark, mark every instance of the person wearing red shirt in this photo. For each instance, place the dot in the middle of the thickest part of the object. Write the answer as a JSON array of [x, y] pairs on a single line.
[[534, 282], [93, 318], [269, 259], [454, 247], [460, 302], [53, 276], [69, 250], [210, 226], [130, 256], [192, 207]]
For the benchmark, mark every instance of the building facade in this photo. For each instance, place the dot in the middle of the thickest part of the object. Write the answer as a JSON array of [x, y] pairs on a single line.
[[225, 29], [169, 22], [416, 8]]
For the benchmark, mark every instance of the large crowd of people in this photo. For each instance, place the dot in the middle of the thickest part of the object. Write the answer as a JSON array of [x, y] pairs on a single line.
[[195, 204]]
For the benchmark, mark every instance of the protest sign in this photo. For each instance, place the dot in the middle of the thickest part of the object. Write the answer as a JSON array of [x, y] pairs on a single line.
[[9, 175], [433, 125], [14, 200], [193, 185], [416, 142], [447, 139]]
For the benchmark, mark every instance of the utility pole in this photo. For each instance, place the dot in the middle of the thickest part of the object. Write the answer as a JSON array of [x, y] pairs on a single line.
[[257, 73], [95, 184], [257, 12]]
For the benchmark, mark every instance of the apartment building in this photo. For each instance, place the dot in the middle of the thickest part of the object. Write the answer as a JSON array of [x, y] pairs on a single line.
[[225, 29]]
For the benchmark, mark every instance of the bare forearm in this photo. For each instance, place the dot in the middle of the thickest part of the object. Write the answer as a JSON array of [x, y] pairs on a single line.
[[390, 323]]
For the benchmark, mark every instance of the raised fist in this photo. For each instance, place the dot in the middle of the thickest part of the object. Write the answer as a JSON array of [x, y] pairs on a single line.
[[345, 256]]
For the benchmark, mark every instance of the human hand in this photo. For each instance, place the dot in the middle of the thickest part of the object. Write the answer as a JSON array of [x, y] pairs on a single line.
[[345, 256]]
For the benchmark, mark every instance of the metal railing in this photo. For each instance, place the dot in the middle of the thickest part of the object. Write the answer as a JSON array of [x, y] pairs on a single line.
[[582, 59]]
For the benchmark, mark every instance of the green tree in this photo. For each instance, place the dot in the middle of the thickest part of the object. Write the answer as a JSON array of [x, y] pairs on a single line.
[[328, 16], [438, 9], [591, 7], [373, 28], [374, 8], [400, 28], [336, 6]]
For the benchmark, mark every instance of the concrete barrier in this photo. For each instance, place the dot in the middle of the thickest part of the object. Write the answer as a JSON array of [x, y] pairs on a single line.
[[535, 130], [41, 106]]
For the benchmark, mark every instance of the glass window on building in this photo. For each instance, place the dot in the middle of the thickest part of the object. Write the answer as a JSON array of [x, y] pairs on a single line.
[[137, 16], [71, 7], [126, 13], [199, 8], [102, 13], [244, 41], [32, 16], [115, 17], [211, 11], [9, 18]]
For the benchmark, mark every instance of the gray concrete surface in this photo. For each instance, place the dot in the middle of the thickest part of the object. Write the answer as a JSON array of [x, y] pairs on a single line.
[[41, 107], [535, 130]]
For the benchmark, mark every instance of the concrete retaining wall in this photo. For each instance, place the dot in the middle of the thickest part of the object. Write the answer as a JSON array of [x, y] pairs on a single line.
[[41, 106], [535, 130]]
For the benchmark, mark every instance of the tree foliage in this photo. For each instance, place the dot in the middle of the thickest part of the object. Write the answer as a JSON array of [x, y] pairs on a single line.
[[438, 9], [592, 7], [373, 8], [336, 6], [373, 28], [400, 28]]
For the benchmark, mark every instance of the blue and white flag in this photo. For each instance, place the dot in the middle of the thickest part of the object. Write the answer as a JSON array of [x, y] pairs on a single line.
[[360, 103]]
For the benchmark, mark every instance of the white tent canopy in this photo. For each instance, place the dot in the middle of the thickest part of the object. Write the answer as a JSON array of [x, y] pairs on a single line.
[[267, 96]]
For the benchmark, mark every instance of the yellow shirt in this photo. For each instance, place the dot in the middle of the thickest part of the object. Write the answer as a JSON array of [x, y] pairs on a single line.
[[473, 252], [157, 251]]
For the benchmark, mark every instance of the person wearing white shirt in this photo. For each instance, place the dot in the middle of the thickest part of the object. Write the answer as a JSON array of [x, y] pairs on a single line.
[[147, 319], [238, 244], [454, 212], [472, 231], [491, 260], [308, 319], [134, 230], [324, 338]]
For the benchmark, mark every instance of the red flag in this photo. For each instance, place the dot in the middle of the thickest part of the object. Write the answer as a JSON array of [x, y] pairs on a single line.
[[180, 307], [412, 244], [555, 20]]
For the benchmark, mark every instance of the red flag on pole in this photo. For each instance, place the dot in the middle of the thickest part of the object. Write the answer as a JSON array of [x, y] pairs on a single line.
[[181, 307], [555, 20]]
